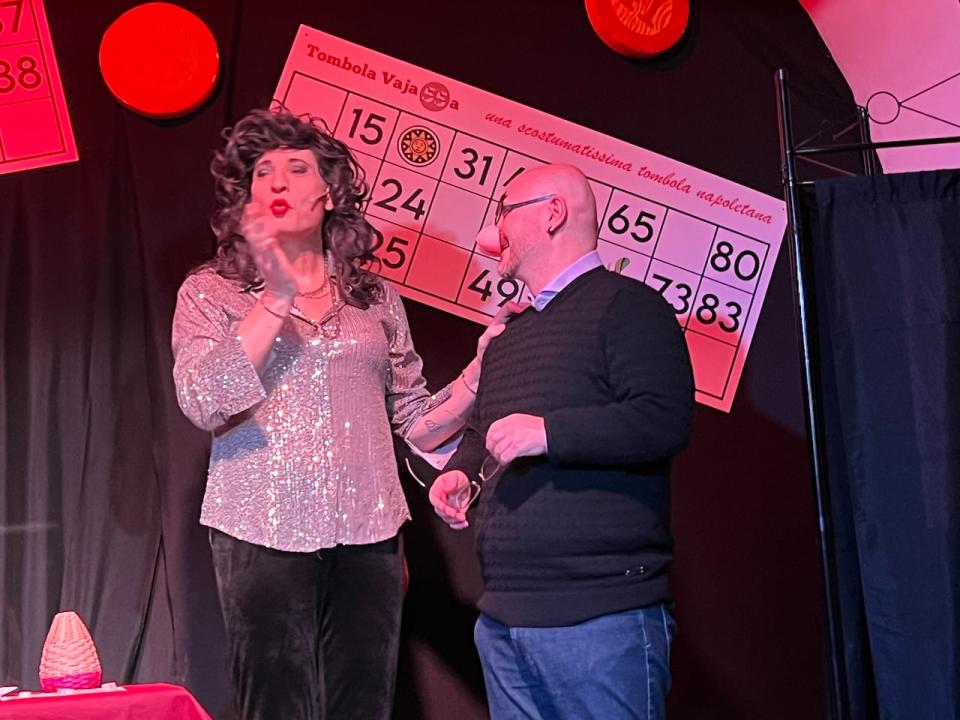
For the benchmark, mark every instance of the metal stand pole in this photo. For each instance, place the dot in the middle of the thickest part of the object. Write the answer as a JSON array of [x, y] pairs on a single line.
[[806, 308]]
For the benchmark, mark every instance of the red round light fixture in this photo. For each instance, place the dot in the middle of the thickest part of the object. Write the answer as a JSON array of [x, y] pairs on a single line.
[[159, 60], [639, 28]]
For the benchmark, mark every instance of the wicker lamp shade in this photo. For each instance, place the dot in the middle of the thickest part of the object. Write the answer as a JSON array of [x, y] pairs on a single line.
[[69, 657]]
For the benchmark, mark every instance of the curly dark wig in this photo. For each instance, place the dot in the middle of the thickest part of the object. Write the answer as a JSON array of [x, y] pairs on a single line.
[[346, 234]]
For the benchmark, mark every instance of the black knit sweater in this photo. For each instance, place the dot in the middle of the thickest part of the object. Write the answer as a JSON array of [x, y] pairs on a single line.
[[584, 531]]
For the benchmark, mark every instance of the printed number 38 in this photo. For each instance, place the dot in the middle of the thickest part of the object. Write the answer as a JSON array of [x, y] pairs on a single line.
[[26, 75]]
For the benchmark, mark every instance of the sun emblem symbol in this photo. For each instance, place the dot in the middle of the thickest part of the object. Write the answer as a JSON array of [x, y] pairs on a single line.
[[419, 146]]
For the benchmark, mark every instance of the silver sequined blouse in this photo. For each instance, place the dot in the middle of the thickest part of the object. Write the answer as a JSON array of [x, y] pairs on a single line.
[[302, 458]]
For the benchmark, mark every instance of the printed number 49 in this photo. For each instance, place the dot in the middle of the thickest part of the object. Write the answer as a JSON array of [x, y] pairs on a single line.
[[507, 288]]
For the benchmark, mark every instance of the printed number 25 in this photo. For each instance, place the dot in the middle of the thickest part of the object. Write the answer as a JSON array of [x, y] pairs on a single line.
[[394, 247]]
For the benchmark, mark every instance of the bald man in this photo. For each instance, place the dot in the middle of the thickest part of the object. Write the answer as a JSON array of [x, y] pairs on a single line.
[[582, 403]]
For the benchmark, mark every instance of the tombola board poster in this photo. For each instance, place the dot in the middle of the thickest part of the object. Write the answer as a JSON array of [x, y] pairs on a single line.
[[438, 154], [35, 128]]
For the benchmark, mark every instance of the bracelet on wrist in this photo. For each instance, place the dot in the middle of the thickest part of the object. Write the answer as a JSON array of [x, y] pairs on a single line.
[[272, 311]]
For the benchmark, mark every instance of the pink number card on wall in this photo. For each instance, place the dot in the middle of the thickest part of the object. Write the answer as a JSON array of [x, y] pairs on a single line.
[[34, 124], [439, 153]]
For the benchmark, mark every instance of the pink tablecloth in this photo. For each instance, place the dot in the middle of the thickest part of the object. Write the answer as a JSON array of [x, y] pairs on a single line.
[[136, 702]]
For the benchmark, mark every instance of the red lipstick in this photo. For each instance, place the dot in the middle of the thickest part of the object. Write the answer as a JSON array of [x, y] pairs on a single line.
[[279, 207]]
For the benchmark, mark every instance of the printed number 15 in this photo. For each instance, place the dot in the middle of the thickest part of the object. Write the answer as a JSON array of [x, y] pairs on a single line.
[[374, 124]]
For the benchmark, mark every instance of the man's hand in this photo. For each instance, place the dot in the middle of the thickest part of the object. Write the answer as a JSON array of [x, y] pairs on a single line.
[[517, 435], [449, 495]]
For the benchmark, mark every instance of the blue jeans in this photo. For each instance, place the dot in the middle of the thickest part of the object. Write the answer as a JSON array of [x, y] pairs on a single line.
[[611, 667]]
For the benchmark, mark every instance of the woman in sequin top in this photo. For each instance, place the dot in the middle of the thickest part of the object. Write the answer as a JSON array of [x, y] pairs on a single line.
[[299, 360]]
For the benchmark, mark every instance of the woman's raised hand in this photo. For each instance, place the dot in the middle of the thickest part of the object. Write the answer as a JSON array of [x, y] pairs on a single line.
[[259, 228]]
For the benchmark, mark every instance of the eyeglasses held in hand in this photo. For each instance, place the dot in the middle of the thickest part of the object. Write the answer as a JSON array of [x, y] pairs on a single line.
[[489, 469]]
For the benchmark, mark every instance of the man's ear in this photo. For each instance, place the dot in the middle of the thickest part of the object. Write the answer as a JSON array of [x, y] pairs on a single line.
[[558, 214]]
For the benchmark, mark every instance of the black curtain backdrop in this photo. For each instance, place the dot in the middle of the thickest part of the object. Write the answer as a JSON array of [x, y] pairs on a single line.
[[102, 476], [887, 278]]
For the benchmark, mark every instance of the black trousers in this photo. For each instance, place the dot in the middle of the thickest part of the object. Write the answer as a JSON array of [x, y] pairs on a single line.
[[312, 636]]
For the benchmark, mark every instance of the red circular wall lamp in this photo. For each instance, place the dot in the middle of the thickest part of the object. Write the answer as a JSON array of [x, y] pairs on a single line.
[[159, 60], [639, 28]]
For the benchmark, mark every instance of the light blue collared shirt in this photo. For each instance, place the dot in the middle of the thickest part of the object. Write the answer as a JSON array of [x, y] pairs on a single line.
[[574, 270]]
